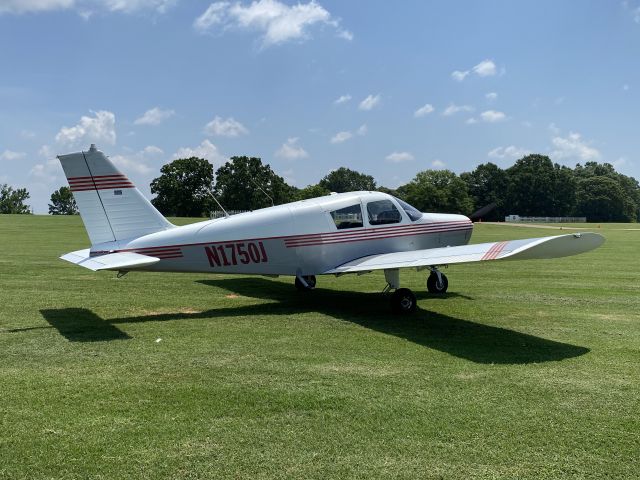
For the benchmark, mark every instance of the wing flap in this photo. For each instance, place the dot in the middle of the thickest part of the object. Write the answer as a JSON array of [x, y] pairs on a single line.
[[110, 261], [530, 248]]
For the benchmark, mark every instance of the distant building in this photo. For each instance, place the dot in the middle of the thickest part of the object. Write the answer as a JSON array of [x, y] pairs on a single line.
[[518, 218]]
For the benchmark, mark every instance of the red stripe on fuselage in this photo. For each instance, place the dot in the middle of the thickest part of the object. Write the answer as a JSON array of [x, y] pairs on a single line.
[[437, 227]]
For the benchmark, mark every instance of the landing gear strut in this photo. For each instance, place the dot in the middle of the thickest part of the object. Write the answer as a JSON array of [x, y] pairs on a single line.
[[305, 283], [437, 281], [403, 301]]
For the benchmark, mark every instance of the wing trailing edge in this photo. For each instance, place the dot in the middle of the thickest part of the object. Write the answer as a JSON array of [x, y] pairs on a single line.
[[109, 261], [527, 249]]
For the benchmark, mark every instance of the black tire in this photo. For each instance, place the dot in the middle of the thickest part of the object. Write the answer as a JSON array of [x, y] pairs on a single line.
[[311, 282], [436, 287], [403, 301]]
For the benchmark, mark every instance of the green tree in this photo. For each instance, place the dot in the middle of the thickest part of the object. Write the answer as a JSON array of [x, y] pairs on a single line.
[[62, 202], [390, 191], [437, 191], [537, 187], [346, 180], [488, 184], [600, 199], [629, 185], [243, 183], [184, 188], [12, 201], [311, 191]]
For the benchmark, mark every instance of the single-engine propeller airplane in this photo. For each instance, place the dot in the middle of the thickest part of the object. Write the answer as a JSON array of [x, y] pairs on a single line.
[[355, 232]]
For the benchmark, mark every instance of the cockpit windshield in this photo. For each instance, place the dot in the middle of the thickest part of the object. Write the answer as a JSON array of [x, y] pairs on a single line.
[[413, 213]]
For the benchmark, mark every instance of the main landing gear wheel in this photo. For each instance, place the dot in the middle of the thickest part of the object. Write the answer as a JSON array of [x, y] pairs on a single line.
[[403, 301], [311, 283], [435, 285]]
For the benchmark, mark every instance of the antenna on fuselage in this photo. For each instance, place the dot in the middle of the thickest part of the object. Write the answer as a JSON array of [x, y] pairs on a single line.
[[266, 194], [226, 215]]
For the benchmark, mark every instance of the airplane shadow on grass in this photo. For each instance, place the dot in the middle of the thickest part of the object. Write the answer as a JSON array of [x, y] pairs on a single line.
[[461, 338]]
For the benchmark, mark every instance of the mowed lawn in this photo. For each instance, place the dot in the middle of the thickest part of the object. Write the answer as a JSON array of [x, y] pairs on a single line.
[[523, 370]]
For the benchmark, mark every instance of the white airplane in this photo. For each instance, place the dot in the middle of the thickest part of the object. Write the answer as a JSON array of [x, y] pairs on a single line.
[[355, 232]]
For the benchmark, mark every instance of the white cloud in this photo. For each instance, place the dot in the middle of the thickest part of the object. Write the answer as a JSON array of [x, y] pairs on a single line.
[[508, 152], [458, 75], [470, 121], [345, 34], [225, 128], [26, 6], [46, 172], [345, 135], [152, 150], [10, 155], [290, 150], [485, 68], [491, 96], [101, 128], [492, 116], [214, 15], [370, 102], [554, 129], [342, 99], [341, 137], [398, 157], [84, 7], [206, 150], [130, 6], [423, 111], [572, 146], [155, 116], [452, 109], [137, 162], [274, 20], [438, 164], [46, 151]]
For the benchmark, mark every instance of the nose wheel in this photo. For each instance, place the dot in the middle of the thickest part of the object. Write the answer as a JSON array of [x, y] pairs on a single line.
[[437, 282]]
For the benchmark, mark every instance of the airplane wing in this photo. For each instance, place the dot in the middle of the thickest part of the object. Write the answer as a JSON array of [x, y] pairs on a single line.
[[530, 248], [110, 261]]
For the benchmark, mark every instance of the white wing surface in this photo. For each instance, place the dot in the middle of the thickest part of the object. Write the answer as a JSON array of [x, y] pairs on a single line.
[[110, 261], [530, 248]]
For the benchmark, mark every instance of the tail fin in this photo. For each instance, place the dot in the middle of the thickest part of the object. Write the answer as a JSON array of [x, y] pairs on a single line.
[[111, 207]]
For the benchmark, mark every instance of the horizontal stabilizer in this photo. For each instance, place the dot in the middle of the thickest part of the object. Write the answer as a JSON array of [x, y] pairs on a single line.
[[110, 261], [530, 248]]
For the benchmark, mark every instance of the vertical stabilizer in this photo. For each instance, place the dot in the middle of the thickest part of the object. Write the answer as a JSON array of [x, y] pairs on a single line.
[[111, 207]]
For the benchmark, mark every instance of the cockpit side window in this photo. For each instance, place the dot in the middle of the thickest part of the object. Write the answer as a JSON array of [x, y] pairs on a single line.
[[382, 212], [413, 213], [348, 217]]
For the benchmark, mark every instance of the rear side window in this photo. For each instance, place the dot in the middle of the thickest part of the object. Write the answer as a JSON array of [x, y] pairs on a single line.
[[382, 212], [348, 217]]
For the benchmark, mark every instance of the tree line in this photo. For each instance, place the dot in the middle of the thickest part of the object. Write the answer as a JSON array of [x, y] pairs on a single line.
[[533, 186]]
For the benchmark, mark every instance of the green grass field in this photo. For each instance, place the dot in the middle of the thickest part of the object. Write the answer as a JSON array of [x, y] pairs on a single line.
[[524, 370]]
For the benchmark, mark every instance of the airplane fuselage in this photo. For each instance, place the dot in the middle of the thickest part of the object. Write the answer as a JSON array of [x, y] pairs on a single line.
[[301, 238]]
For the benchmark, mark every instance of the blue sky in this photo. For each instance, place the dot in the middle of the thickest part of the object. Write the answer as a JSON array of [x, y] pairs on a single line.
[[387, 88]]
